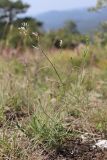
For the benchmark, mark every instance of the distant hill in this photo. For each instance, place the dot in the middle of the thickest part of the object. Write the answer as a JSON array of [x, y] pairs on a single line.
[[85, 20]]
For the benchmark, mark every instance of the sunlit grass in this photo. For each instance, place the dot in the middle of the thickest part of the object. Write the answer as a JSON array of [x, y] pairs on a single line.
[[33, 109]]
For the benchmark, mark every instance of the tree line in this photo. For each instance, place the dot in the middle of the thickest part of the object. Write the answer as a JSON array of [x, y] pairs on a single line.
[[9, 24]]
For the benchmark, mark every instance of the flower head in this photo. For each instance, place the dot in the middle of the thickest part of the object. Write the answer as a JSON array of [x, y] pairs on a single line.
[[24, 29]]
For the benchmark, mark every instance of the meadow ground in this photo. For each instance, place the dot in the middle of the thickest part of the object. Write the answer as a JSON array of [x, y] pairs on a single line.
[[49, 116]]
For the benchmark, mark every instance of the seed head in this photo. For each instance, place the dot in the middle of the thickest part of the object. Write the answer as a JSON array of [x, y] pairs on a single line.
[[24, 29], [58, 43]]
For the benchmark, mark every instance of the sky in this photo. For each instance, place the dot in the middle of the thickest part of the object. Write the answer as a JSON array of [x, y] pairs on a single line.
[[40, 6]]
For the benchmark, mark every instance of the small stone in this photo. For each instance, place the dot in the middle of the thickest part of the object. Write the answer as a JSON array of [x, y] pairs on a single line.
[[101, 144]]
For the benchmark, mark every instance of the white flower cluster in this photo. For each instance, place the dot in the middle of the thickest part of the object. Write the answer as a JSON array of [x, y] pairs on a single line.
[[24, 29]]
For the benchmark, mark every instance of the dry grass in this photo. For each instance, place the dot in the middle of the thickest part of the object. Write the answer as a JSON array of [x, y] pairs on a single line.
[[36, 115]]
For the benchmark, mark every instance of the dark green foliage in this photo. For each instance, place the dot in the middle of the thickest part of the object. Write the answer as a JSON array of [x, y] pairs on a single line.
[[8, 14], [70, 39], [101, 35], [10, 33], [101, 3], [9, 9], [33, 23], [71, 27], [34, 26]]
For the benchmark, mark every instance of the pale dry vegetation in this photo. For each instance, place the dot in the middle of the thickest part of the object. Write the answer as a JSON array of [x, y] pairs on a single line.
[[40, 118]]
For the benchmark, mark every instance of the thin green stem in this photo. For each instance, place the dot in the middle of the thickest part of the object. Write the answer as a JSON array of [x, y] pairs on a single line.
[[42, 51]]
